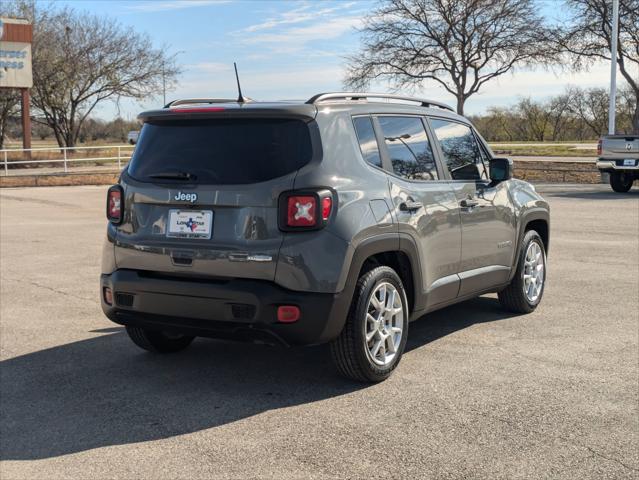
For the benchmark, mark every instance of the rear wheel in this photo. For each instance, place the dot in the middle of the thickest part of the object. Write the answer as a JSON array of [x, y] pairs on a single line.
[[158, 342], [621, 181], [527, 286], [374, 336]]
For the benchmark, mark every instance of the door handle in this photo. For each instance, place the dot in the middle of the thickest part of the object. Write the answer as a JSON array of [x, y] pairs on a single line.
[[469, 203], [410, 206]]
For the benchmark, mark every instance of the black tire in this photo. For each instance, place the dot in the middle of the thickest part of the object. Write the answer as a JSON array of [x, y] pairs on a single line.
[[621, 181], [158, 342], [349, 351], [512, 298]]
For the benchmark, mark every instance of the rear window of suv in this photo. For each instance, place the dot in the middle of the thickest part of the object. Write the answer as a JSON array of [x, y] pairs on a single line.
[[221, 151]]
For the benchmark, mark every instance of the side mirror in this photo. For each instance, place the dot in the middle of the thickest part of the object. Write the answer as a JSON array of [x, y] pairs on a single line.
[[501, 169]]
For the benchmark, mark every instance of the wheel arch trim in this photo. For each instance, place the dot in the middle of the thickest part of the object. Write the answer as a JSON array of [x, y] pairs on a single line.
[[392, 242], [530, 216], [386, 242]]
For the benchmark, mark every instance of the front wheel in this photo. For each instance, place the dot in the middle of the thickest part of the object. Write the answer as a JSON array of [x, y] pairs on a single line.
[[621, 181], [158, 342], [527, 286], [374, 336]]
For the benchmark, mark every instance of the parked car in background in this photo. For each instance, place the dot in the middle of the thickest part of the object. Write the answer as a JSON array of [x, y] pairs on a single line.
[[619, 157], [339, 219], [132, 137]]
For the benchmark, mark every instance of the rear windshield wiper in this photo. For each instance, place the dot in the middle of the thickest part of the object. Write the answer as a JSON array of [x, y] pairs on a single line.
[[174, 175]]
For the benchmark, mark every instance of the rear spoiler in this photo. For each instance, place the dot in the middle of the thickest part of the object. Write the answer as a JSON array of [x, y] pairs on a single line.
[[302, 112]]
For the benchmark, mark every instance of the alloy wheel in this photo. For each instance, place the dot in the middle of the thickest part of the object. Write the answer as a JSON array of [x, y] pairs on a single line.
[[383, 328], [534, 272]]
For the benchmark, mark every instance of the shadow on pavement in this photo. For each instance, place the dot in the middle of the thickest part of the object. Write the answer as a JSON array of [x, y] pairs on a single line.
[[104, 391]]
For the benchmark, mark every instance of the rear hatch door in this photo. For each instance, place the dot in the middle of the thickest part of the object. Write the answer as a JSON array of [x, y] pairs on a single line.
[[621, 147], [201, 195]]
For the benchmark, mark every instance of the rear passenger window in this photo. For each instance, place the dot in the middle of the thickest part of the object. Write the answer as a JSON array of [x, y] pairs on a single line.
[[408, 147], [462, 154], [367, 140]]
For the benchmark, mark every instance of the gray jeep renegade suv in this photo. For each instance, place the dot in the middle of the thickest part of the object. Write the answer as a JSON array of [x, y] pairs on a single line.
[[338, 220]]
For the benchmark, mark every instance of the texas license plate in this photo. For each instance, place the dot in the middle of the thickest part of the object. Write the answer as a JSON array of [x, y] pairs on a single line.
[[629, 162], [190, 223]]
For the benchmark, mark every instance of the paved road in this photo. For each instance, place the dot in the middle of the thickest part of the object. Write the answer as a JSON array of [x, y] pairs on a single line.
[[480, 393]]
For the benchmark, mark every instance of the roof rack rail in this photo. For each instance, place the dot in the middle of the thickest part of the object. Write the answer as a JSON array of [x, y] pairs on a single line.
[[320, 97], [191, 101]]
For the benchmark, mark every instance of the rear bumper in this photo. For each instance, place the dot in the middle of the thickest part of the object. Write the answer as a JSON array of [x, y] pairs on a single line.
[[237, 309], [616, 166]]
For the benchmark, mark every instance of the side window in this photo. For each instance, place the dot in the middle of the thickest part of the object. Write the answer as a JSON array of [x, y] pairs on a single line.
[[408, 147], [485, 158], [462, 154], [367, 140]]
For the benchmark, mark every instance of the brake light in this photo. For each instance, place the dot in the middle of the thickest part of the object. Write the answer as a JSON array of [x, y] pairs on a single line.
[[114, 204], [599, 147], [327, 206], [301, 211], [197, 109]]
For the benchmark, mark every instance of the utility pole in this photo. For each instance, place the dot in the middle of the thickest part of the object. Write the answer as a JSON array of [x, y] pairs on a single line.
[[613, 66]]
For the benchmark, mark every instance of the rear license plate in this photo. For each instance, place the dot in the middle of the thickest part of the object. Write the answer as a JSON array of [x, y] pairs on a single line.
[[190, 223], [629, 162]]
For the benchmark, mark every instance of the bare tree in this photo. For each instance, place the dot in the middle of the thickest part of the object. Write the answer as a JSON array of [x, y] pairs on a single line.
[[81, 60], [536, 116], [504, 121], [9, 107], [588, 37], [559, 115], [626, 109], [590, 106], [460, 44]]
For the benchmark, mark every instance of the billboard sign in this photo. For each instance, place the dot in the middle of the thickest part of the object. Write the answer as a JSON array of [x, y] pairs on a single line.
[[15, 53]]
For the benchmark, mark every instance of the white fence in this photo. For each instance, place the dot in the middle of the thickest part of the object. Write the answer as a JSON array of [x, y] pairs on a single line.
[[113, 154]]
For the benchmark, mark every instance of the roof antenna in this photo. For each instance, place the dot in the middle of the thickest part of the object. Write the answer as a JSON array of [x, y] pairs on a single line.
[[240, 98]]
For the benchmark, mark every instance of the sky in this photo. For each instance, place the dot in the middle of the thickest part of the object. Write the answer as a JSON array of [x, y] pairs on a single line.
[[287, 50]]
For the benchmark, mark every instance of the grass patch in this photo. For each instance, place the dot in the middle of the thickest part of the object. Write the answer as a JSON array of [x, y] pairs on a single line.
[[567, 150]]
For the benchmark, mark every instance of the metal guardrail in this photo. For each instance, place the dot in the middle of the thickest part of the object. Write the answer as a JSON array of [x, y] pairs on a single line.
[[122, 156]]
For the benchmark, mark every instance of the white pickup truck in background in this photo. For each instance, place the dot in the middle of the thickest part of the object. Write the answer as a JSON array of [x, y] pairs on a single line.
[[619, 157]]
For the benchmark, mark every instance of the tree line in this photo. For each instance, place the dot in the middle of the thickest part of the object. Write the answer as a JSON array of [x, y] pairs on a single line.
[[92, 130], [577, 114]]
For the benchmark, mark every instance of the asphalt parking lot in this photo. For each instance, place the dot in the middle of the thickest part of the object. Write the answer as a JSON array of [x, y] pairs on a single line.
[[479, 394]]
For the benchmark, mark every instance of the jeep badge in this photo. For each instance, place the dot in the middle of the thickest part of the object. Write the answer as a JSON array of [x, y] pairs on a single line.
[[186, 197]]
